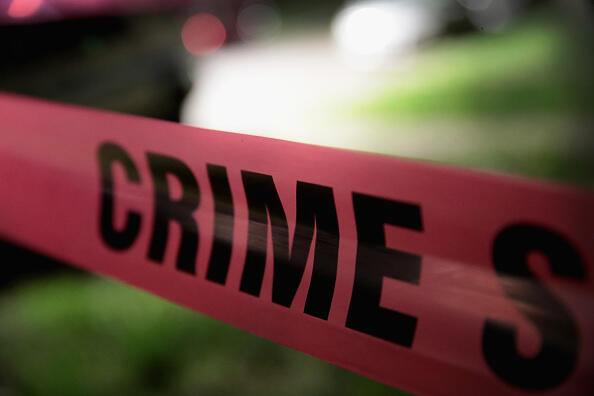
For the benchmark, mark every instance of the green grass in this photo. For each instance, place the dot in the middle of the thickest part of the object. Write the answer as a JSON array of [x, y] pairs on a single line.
[[90, 336], [529, 69], [517, 102]]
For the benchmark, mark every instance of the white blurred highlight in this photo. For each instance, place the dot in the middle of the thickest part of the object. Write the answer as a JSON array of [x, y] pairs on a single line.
[[285, 90], [369, 32]]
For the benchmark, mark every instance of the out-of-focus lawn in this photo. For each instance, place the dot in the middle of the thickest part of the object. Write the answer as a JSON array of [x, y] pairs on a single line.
[[89, 336], [519, 102], [529, 70]]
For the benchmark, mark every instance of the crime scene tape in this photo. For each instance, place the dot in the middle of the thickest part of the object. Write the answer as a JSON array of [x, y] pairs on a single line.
[[432, 279]]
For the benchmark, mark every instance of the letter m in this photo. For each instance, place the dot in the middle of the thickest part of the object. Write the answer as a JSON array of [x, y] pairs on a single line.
[[316, 211]]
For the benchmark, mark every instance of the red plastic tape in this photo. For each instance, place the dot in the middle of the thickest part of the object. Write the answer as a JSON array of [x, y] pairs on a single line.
[[432, 279]]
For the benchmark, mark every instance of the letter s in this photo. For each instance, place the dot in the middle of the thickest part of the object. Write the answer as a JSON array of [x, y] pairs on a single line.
[[559, 333]]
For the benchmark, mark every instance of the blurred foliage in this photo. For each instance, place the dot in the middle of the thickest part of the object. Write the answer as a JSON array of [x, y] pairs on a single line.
[[518, 102], [81, 335], [528, 70]]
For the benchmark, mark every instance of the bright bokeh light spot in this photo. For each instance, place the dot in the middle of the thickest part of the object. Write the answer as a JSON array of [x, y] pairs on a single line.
[[23, 8], [369, 32], [366, 30], [203, 34]]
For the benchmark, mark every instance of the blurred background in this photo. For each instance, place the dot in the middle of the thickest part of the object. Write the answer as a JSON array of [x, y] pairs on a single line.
[[500, 85]]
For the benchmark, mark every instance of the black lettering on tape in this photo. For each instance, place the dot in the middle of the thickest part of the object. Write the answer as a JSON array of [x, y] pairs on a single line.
[[374, 261], [167, 210], [315, 210], [108, 154], [222, 244], [559, 333]]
